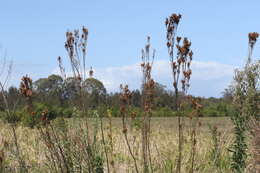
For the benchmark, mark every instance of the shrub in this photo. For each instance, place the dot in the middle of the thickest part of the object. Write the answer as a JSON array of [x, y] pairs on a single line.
[[33, 119], [164, 112], [246, 102], [210, 112], [11, 118]]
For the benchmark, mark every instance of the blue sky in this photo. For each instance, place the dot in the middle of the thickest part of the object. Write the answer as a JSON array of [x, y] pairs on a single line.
[[33, 34]]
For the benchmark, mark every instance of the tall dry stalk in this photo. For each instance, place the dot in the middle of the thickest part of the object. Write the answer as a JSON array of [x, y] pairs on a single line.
[[108, 141], [147, 103], [125, 97], [181, 71], [104, 144], [195, 124], [76, 47]]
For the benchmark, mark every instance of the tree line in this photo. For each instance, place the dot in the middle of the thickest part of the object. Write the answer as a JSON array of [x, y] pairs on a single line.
[[54, 91]]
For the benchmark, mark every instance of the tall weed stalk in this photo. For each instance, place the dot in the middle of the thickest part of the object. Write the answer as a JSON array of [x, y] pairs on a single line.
[[125, 98], [147, 103], [181, 72], [81, 152]]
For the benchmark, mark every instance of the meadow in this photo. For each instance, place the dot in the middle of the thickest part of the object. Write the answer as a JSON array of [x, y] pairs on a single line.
[[68, 123], [163, 145]]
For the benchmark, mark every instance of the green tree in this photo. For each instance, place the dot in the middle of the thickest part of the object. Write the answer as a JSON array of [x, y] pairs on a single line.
[[71, 90], [49, 90], [163, 97], [96, 92], [136, 98], [228, 93]]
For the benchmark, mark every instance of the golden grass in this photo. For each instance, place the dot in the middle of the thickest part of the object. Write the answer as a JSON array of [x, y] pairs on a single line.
[[164, 145]]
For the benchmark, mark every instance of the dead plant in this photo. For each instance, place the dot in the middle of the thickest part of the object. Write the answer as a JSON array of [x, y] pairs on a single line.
[[181, 71]]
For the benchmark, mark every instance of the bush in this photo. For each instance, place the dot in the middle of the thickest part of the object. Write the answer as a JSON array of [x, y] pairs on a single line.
[[115, 111], [210, 112], [164, 112], [29, 120], [53, 112], [14, 118]]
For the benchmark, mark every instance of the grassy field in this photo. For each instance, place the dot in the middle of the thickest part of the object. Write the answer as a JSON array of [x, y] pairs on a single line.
[[164, 144]]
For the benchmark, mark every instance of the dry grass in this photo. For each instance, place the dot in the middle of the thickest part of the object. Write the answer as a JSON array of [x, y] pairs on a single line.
[[164, 145]]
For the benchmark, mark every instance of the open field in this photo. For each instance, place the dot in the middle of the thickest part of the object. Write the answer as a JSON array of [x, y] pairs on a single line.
[[164, 145], [129, 87]]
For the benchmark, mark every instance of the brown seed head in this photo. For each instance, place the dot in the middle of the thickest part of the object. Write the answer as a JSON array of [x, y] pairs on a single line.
[[91, 72], [190, 53], [85, 30], [252, 36], [168, 44], [178, 39]]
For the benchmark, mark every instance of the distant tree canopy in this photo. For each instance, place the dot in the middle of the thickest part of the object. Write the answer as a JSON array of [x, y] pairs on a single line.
[[228, 93], [92, 85], [49, 85], [49, 89], [96, 92], [64, 93], [55, 90]]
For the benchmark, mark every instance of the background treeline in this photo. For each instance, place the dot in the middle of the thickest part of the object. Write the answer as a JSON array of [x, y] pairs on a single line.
[[61, 97]]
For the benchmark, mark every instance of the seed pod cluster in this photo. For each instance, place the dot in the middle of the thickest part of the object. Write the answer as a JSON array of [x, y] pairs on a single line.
[[252, 38], [125, 97], [180, 64], [147, 83], [171, 24], [26, 91], [76, 47], [91, 72], [26, 86]]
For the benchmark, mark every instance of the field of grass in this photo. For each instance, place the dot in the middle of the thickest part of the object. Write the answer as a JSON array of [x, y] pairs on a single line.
[[164, 145], [64, 123]]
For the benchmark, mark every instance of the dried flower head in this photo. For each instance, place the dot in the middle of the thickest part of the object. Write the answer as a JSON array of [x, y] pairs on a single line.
[[178, 39], [61, 67], [76, 47], [148, 83], [252, 37], [91, 72], [26, 86], [171, 28], [125, 94], [181, 63]]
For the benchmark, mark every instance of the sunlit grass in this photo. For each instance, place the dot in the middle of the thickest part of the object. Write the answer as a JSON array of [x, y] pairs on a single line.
[[164, 145]]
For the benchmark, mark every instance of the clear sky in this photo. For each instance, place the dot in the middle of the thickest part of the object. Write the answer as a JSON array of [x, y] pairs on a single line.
[[32, 32]]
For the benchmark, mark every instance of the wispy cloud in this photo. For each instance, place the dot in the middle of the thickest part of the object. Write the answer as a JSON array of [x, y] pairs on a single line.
[[208, 78]]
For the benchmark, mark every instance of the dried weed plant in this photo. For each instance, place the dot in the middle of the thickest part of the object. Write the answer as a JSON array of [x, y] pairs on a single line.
[[195, 124], [181, 72], [82, 152], [147, 104], [125, 98]]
